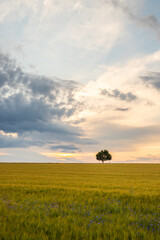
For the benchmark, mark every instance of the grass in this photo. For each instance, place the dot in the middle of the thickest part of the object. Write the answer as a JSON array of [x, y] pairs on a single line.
[[79, 201]]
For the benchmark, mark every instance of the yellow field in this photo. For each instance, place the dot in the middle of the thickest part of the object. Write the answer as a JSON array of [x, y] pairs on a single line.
[[79, 201]]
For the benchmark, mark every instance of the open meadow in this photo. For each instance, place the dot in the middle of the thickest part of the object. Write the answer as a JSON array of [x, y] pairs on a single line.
[[79, 201]]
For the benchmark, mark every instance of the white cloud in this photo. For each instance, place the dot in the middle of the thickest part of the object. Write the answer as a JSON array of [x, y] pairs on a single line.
[[87, 24], [123, 130], [14, 135], [66, 38]]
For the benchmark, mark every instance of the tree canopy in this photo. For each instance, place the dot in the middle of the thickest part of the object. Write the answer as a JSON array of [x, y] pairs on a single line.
[[103, 155]]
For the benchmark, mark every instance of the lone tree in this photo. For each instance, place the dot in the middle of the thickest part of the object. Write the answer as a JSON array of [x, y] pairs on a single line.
[[103, 155]]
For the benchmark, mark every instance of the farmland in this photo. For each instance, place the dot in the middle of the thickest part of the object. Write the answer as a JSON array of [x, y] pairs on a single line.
[[79, 201]]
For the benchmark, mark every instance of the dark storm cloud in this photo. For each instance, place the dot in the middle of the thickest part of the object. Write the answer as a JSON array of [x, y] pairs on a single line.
[[36, 107], [38, 86], [117, 94], [152, 79], [12, 142]]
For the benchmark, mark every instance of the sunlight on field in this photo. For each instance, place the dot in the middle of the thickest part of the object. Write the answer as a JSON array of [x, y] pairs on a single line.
[[79, 201]]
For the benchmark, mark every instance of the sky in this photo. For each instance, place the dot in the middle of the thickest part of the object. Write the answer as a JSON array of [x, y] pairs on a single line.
[[77, 77]]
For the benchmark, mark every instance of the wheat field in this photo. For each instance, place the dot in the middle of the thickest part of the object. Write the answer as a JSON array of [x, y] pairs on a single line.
[[79, 201]]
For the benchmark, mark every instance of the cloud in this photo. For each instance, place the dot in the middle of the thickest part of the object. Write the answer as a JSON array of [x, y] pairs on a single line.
[[148, 158], [83, 24], [79, 33], [122, 109], [37, 108], [117, 94], [152, 79], [127, 8], [11, 142], [65, 148], [151, 22], [68, 38], [118, 132]]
